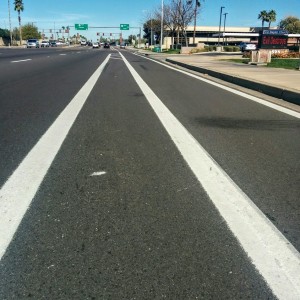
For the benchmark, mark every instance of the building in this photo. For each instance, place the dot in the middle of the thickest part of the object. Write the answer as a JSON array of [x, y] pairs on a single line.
[[210, 35]]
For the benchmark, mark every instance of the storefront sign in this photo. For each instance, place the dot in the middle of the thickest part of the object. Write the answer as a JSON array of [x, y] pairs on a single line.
[[273, 39]]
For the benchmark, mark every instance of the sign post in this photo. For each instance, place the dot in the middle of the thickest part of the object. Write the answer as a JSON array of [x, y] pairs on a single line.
[[273, 39], [269, 40]]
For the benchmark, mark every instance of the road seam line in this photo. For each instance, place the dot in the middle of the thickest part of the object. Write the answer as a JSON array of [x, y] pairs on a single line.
[[271, 253]]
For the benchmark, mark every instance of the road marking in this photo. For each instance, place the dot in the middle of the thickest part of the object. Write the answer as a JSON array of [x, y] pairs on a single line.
[[98, 173], [244, 95], [16, 61], [62, 54], [272, 254], [18, 191]]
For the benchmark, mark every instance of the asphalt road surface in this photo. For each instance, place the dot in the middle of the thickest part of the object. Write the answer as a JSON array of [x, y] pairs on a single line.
[[123, 178]]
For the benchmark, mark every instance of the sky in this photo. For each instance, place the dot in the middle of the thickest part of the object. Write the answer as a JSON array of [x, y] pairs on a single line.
[[53, 14]]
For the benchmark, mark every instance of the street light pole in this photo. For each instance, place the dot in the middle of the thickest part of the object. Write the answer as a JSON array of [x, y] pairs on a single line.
[[220, 24], [225, 14], [9, 20], [151, 32], [162, 24]]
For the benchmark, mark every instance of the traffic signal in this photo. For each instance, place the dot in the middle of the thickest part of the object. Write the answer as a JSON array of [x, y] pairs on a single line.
[[97, 33], [110, 34], [103, 33]]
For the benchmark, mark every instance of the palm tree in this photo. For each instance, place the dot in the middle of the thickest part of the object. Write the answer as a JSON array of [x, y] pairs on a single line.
[[197, 5], [19, 6], [271, 17], [263, 16], [63, 31]]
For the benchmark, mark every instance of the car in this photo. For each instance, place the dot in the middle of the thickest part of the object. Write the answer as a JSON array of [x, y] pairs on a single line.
[[45, 44], [83, 43], [95, 45], [53, 44], [247, 46], [106, 45], [122, 46], [59, 43], [33, 43]]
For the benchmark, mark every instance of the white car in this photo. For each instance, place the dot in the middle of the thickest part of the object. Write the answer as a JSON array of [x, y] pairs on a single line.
[[247, 46], [95, 45], [83, 43], [45, 44], [33, 43]]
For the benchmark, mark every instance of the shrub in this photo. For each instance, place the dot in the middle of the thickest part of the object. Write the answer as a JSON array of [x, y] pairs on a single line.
[[286, 55], [197, 50], [231, 48]]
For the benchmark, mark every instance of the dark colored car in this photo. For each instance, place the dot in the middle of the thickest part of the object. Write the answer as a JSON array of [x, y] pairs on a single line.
[[106, 45], [53, 44]]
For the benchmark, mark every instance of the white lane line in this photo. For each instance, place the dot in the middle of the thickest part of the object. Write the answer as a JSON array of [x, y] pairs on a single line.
[[98, 173], [62, 54], [244, 95], [272, 254], [16, 61], [18, 191]]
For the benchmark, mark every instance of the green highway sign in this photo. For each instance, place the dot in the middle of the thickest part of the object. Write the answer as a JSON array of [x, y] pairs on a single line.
[[124, 26], [81, 26]]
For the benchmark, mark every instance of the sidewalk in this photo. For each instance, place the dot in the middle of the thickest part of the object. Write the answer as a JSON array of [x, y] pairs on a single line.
[[280, 83]]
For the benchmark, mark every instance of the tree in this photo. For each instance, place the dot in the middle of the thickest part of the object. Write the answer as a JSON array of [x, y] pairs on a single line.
[[153, 25], [171, 20], [4, 33], [131, 38], [30, 31], [291, 24], [197, 6], [185, 13], [16, 34], [271, 16], [19, 6], [263, 16]]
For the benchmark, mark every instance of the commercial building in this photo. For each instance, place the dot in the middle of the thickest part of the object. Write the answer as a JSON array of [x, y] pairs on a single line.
[[210, 35]]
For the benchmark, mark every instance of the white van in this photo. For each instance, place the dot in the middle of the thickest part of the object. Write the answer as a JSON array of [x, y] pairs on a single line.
[[33, 43]]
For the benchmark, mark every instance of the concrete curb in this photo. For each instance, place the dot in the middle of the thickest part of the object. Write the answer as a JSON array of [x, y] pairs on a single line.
[[280, 93]]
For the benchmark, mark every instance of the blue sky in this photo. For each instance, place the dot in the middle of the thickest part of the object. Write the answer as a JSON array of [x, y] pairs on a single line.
[[52, 14]]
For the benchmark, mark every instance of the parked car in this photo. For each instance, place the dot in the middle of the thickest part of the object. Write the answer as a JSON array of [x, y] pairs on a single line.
[[33, 43], [45, 44], [106, 45], [247, 46], [95, 45]]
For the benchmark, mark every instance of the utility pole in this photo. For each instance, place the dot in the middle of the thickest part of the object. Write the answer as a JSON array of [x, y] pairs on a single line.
[[162, 24], [220, 24], [225, 14]]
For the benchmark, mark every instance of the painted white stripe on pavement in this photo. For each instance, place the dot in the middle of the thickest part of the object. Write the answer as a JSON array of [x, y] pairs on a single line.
[[231, 90], [98, 173], [272, 254], [16, 61], [19, 190]]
